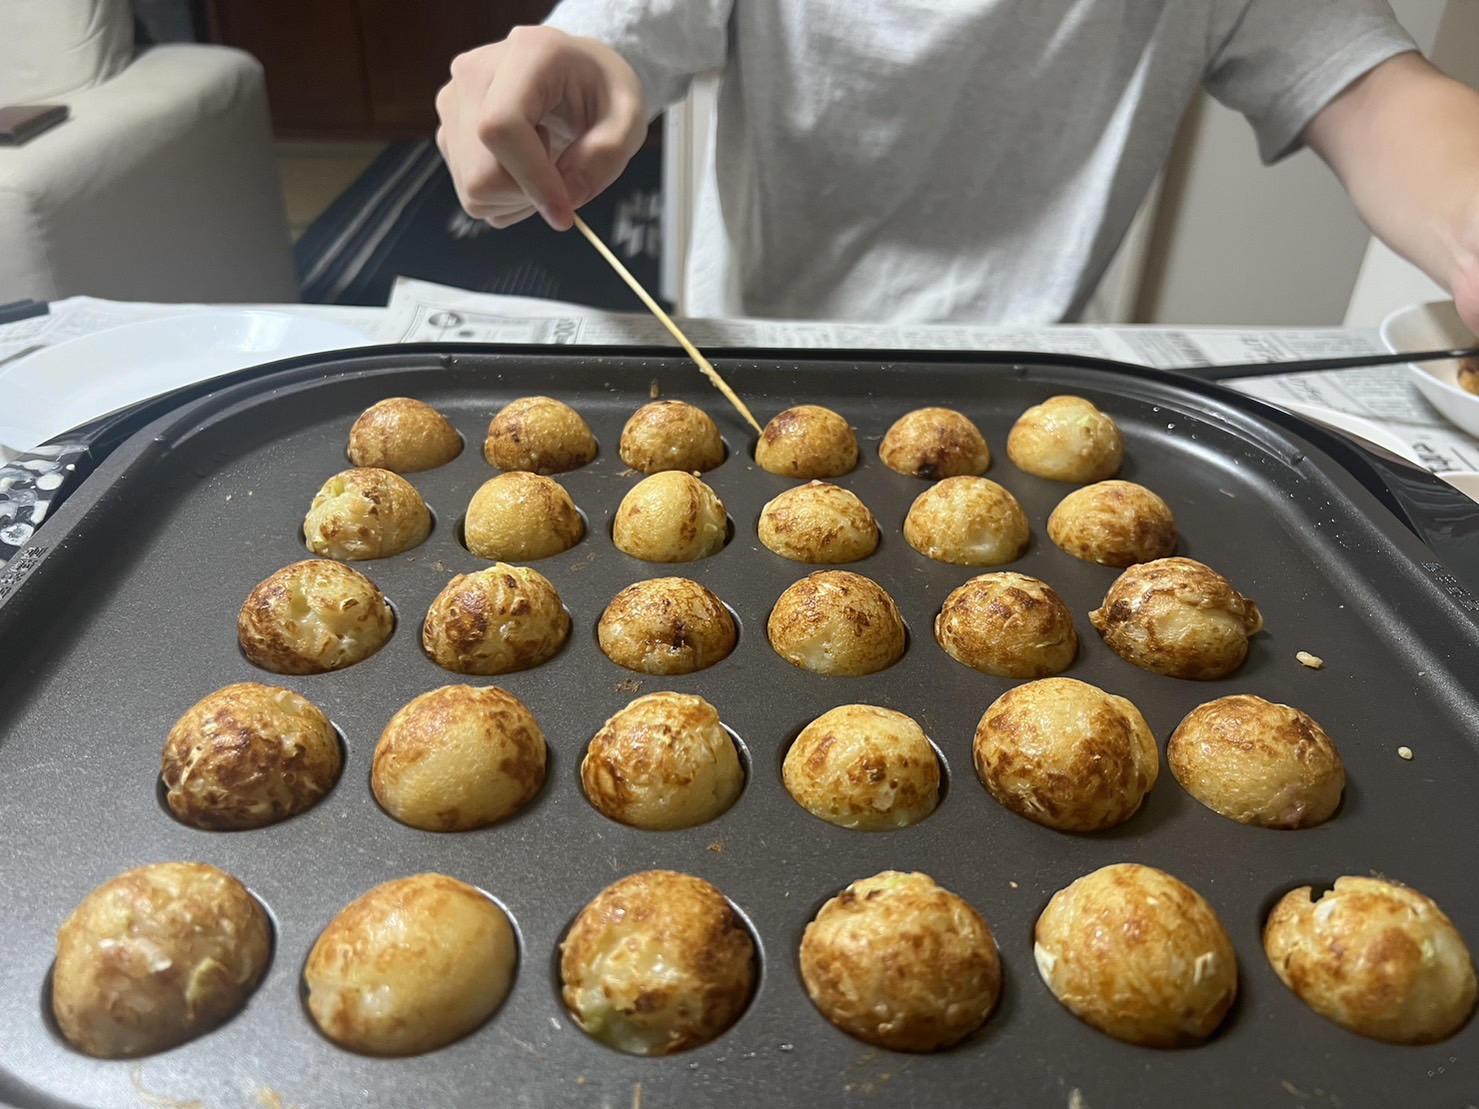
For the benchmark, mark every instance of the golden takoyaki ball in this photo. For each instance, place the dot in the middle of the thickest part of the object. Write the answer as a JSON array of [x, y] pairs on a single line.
[[658, 962], [663, 762], [403, 435], [521, 516], [366, 513], [670, 517], [671, 435], [967, 521], [1177, 617], [1467, 375], [864, 767], [410, 966], [1257, 762], [666, 626], [457, 758], [818, 522], [838, 623], [495, 621], [312, 617], [1066, 439], [1009, 625], [901, 963], [1375, 956], [249, 755], [1139, 955], [1066, 754], [807, 441], [155, 957], [540, 434], [1114, 523], [933, 443]]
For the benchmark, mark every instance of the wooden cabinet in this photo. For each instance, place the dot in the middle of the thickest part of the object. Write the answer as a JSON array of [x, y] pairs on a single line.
[[361, 68]]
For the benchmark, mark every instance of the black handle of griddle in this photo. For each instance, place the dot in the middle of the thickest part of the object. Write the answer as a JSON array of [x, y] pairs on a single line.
[[1444, 518]]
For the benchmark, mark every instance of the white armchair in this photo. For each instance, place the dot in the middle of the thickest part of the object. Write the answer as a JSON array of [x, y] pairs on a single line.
[[161, 186]]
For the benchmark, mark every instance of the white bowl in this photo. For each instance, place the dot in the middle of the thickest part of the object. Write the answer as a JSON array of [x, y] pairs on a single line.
[[1435, 326]]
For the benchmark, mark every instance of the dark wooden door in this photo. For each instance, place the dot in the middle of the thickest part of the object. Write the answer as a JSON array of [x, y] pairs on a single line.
[[361, 68]]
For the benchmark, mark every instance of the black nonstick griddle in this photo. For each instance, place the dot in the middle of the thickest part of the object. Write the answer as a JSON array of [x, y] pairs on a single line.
[[121, 614]]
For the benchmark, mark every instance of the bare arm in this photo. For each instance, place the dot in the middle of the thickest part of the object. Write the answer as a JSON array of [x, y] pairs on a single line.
[[1404, 140]]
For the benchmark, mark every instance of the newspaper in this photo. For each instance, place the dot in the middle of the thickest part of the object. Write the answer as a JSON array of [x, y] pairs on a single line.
[[1376, 404]]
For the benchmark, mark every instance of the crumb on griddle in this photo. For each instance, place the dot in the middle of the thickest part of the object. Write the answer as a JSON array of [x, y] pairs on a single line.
[[717, 846], [159, 1101], [1314, 662], [1405, 752], [628, 685]]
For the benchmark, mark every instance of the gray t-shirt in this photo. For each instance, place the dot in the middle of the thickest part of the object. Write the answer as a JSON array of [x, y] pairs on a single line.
[[977, 160]]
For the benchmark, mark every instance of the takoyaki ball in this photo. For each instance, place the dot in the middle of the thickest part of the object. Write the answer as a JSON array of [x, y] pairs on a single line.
[[495, 621], [410, 966], [1467, 375], [366, 513], [818, 522], [1375, 956], [671, 435], [900, 963], [1066, 755], [1257, 762], [1009, 625], [539, 434], [155, 957], [1177, 617], [967, 521], [1138, 955], [864, 767], [521, 516], [663, 762], [934, 443], [670, 517], [249, 755], [1114, 523], [658, 962], [666, 626], [403, 435], [1066, 439], [458, 758], [838, 623], [807, 441], [312, 617]]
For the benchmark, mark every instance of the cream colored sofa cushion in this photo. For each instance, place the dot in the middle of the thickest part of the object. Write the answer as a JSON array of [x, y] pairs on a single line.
[[52, 48], [162, 186]]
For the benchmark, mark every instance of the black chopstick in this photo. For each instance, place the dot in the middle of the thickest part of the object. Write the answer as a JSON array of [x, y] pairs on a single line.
[[1344, 362]]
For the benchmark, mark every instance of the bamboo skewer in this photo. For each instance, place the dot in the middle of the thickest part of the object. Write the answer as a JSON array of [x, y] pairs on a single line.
[[656, 309]]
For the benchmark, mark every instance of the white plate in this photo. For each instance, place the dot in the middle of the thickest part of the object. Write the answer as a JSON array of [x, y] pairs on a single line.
[[1435, 326], [55, 389]]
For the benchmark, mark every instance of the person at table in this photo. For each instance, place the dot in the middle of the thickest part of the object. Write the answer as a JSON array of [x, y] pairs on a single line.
[[976, 161]]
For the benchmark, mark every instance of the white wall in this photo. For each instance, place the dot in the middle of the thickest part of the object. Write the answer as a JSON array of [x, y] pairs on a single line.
[[1235, 242]]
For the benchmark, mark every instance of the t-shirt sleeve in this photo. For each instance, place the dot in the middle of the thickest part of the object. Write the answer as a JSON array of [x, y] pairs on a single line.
[[1284, 60], [667, 42]]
